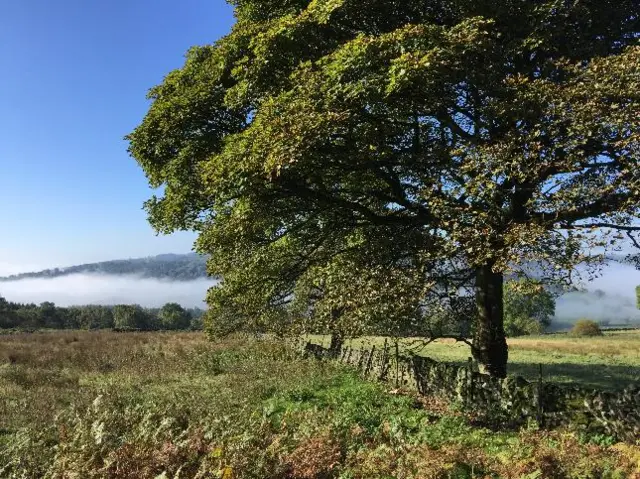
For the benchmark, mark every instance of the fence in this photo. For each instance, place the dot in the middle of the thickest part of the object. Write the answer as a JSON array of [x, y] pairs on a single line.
[[512, 401]]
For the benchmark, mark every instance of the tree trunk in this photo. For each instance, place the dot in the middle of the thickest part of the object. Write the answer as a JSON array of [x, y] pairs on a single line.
[[489, 342]]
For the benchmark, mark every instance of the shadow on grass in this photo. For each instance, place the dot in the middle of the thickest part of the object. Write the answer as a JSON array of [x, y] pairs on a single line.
[[598, 376], [592, 373]]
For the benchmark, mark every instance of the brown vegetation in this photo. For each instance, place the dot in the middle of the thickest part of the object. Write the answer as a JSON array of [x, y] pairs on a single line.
[[586, 327], [120, 405]]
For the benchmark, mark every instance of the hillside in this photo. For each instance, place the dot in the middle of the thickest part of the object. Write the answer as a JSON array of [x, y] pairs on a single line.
[[175, 267]]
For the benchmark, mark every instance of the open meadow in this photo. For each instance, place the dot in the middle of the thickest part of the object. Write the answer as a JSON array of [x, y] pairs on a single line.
[[611, 361], [174, 405]]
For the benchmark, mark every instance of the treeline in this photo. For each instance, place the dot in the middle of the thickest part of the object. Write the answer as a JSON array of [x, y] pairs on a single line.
[[47, 315], [168, 266]]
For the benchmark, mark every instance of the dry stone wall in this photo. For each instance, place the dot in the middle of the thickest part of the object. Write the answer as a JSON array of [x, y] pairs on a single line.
[[509, 402]]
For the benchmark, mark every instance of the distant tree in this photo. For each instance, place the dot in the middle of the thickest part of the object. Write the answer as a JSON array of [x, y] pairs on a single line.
[[49, 316], [176, 267], [638, 296], [174, 316], [505, 132], [90, 316], [69, 317], [196, 324], [8, 316], [29, 316], [97, 317], [127, 316], [528, 307]]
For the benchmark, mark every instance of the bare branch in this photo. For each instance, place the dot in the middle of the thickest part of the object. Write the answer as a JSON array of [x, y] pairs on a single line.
[[603, 225]]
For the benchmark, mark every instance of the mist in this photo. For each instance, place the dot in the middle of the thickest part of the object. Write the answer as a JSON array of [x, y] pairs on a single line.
[[81, 289], [617, 305]]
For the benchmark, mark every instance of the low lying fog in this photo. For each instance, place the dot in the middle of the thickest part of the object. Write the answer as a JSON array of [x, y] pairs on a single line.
[[104, 289], [617, 281]]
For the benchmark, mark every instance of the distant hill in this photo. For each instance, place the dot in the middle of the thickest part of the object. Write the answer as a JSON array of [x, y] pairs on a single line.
[[175, 267]]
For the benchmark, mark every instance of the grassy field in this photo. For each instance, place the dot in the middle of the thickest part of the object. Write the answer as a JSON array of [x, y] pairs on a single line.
[[611, 361], [156, 405]]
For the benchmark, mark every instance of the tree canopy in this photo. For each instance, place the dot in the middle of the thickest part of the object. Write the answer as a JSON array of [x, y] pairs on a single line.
[[359, 146]]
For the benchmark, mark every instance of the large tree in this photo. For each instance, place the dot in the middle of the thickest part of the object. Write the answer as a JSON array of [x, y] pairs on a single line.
[[491, 134]]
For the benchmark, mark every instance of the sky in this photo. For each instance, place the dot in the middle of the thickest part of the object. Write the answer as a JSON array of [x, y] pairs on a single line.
[[75, 74], [74, 79]]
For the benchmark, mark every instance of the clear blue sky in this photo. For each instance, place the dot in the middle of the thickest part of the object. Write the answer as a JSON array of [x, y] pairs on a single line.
[[74, 78]]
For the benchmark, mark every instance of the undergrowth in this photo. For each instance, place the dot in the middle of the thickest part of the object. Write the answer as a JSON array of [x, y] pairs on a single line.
[[176, 406]]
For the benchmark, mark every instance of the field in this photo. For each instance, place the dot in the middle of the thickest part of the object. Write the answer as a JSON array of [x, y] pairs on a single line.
[[611, 361], [156, 405]]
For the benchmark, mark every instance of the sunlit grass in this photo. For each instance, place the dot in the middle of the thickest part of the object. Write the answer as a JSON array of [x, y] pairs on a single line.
[[148, 405], [610, 361]]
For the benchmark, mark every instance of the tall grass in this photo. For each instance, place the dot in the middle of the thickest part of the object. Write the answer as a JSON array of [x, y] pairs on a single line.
[[155, 405]]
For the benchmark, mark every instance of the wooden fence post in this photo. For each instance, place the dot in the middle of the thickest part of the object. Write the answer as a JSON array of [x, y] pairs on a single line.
[[369, 361], [416, 364], [363, 361], [468, 393], [397, 362], [384, 367], [539, 399]]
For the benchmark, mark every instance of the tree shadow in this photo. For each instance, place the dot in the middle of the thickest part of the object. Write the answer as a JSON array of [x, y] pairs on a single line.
[[597, 376]]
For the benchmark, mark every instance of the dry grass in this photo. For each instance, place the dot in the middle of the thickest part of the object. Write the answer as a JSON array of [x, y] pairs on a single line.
[[93, 351], [316, 457], [120, 405], [620, 344], [41, 373]]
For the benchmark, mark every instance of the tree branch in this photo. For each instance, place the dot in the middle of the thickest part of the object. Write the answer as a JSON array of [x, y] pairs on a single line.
[[604, 225]]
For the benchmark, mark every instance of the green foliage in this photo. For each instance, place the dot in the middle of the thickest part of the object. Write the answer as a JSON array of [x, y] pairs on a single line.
[[174, 405], [131, 316], [586, 327], [197, 323], [521, 326], [174, 316], [364, 151], [8, 317], [91, 317], [528, 307], [49, 316]]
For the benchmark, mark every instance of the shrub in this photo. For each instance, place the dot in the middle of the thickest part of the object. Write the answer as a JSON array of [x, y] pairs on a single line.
[[528, 307], [586, 327], [522, 325]]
